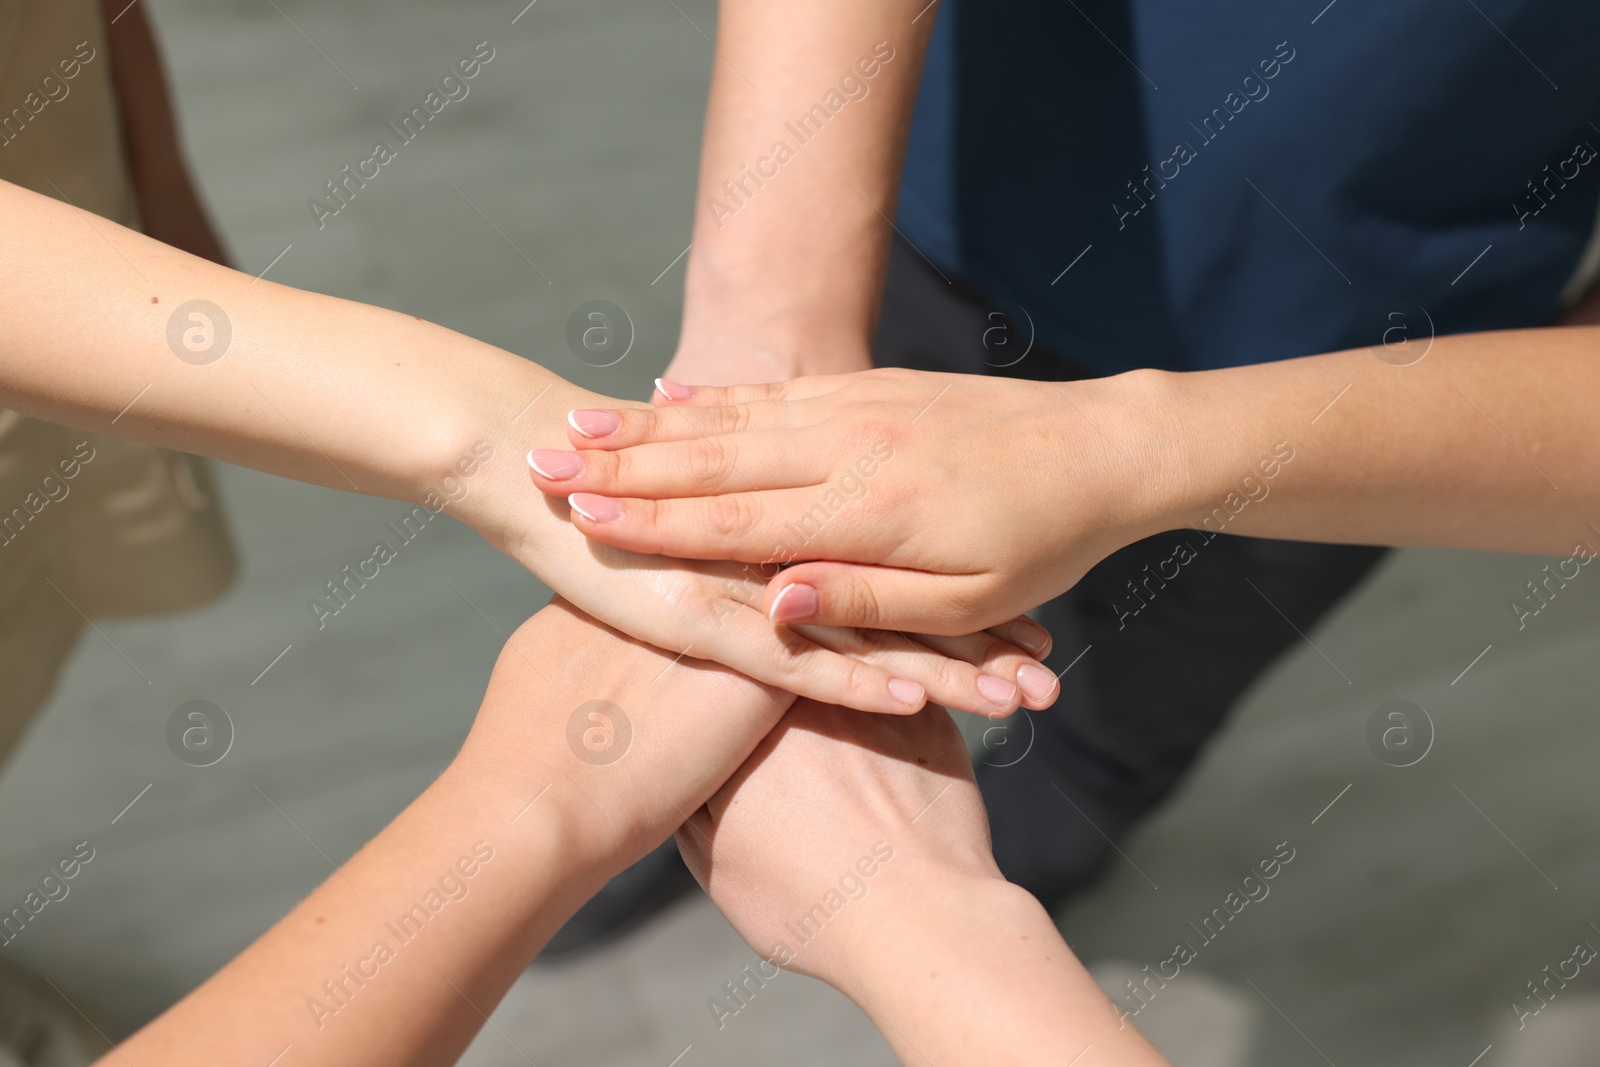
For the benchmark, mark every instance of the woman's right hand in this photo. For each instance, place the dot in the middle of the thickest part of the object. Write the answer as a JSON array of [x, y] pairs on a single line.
[[930, 502], [712, 610]]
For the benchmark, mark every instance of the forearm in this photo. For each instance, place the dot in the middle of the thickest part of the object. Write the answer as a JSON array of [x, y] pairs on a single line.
[[805, 132], [96, 334], [364, 971], [975, 972], [531, 818], [1489, 441]]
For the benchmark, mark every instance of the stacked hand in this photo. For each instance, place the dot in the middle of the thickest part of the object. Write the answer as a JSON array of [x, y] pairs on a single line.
[[855, 849], [924, 502], [712, 610]]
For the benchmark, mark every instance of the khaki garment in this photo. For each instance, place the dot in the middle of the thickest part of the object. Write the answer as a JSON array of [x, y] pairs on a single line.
[[90, 525]]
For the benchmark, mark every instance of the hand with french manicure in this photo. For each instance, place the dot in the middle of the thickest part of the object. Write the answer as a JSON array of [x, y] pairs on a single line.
[[923, 502]]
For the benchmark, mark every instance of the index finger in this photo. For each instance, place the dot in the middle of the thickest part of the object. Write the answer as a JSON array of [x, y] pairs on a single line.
[[670, 393], [613, 428]]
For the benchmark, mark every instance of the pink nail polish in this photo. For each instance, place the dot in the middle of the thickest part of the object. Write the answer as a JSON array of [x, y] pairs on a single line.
[[673, 390], [795, 603], [555, 465], [592, 423], [1037, 682], [595, 508], [1028, 636], [908, 693], [996, 690]]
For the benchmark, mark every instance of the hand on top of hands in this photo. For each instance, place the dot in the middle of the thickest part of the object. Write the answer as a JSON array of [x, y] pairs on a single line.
[[929, 502], [711, 610]]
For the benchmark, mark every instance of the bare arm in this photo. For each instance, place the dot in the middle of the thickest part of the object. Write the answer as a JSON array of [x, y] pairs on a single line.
[[856, 851], [799, 170], [1488, 441], [398, 957], [103, 328], [108, 329], [1482, 440]]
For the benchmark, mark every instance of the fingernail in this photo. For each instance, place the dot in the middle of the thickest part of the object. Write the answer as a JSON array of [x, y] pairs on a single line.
[[996, 690], [795, 603], [600, 509], [908, 693], [555, 465], [1037, 682], [594, 423], [1029, 636], [673, 390]]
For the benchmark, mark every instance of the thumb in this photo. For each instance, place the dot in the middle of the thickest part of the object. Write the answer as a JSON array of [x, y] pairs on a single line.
[[879, 598]]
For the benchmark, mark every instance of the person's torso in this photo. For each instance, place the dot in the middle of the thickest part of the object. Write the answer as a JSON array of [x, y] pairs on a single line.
[[1187, 186]]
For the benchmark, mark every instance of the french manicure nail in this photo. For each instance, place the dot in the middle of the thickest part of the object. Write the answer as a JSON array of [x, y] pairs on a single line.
[[596, 508], [592, 423], [908, 693], [996, 690], [1037, 682], [795, 603], [673, 390], [1028, 636], [555, 465]]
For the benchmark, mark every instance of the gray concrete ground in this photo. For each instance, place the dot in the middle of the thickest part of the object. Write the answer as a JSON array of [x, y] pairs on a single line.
[[1419, 901]]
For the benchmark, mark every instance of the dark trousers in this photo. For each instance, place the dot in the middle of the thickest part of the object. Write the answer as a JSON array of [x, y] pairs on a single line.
[[1137, 706]]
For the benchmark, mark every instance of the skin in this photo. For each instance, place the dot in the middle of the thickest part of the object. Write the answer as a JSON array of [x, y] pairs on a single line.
[[1107, 463], [557, 825], [1478, 441], [769, 293], [526, 828], [593, 820], [952, 963], [355, 397]]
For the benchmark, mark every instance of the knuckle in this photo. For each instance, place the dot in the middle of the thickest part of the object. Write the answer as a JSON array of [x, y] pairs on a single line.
[[992, 650], [729, 516], [735, 418], [708, 463], [642, 424], [613, 469], [952, 676], [646, 522], [961, 605], [858, 440], [859, 603], [860, 681]]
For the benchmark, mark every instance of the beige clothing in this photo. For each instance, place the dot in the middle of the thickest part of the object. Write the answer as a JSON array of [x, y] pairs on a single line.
[[90, 525]]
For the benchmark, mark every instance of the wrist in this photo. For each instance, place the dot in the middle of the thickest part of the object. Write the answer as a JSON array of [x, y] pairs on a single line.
[[773, 328], [534, 815], [474, 447], [929, 930], [541, 873], [1213, 448], [1151, 417], [980, 959]]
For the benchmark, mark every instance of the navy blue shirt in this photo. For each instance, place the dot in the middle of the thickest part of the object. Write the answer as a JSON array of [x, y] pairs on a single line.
[[1186, 185]]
